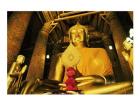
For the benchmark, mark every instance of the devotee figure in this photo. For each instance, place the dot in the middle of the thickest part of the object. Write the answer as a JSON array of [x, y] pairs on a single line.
[[15, 75]]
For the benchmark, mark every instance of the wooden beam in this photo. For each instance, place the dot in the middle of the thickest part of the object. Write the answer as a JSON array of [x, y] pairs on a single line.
[[70, 13], [75, 16]]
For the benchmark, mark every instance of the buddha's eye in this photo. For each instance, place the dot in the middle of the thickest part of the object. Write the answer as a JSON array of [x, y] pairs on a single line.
[[73, 31], [80, 31]]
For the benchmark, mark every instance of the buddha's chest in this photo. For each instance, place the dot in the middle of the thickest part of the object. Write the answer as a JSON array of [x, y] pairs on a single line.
[[90, 63]]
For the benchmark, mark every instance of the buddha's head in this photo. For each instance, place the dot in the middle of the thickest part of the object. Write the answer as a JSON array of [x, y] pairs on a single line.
[[77, 34], [20, 59]]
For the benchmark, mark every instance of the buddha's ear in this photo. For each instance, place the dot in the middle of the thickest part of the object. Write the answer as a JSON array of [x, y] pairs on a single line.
[[87, 40], [70, 37], [86, 30]]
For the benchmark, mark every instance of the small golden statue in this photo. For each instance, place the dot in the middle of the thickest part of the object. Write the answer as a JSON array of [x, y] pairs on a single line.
[[15, 75], [128, 52]]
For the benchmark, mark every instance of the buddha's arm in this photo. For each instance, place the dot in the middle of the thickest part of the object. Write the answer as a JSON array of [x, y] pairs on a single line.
[[56, 69], [107, 63]]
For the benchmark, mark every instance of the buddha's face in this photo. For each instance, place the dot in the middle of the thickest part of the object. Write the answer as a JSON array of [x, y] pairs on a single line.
[[77, 35]]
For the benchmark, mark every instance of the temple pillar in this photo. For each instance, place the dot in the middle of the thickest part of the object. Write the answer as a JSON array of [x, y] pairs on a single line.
[[118, 74], [17, 26], [119, 36], [37, 63]]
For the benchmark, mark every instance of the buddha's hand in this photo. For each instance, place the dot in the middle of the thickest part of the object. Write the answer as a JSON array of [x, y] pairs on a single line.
[[48, 27], [88, 81], [62, 86]]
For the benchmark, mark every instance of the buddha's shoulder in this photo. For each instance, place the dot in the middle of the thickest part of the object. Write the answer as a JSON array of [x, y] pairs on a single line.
[[96, 49]]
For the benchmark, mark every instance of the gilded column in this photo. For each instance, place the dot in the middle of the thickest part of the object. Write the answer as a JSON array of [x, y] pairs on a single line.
[[119, 36], [17, 26], [37, 63], [118, 74]]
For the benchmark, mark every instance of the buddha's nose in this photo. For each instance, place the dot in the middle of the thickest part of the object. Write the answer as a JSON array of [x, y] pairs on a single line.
[[77, 35]]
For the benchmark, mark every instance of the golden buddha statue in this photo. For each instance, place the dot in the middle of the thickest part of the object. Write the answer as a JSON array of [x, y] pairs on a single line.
[[90, 63]]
